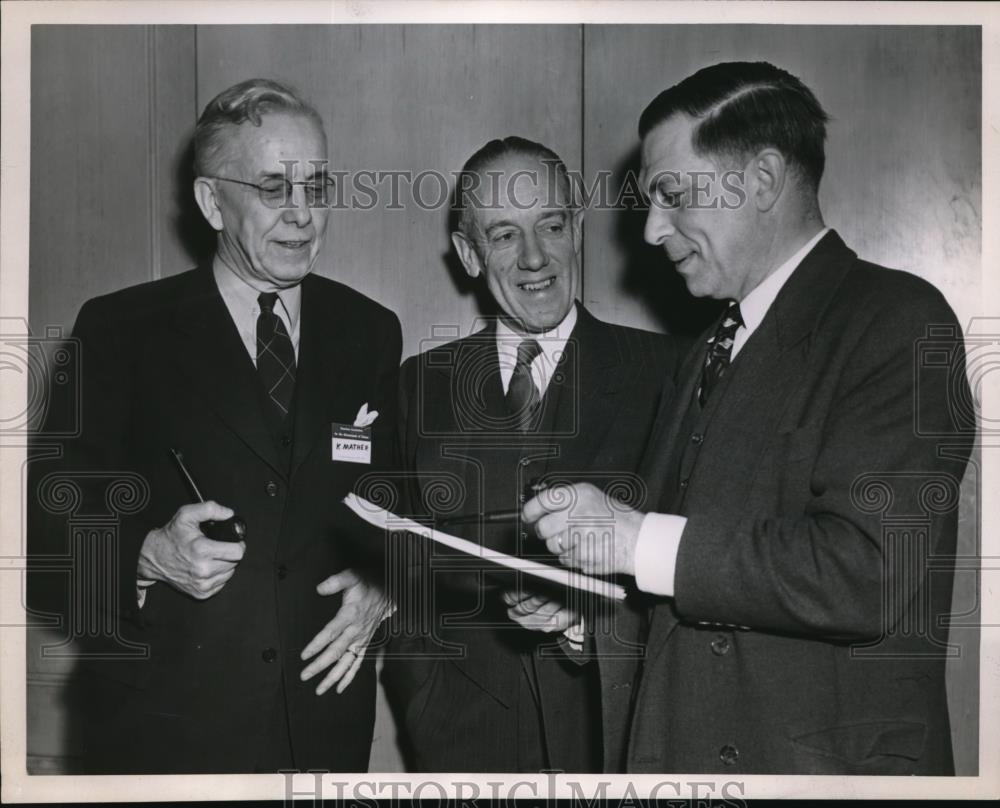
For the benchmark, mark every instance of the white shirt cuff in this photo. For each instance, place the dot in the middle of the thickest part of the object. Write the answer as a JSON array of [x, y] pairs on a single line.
[[574, 636], [656, 552], [141, 585]]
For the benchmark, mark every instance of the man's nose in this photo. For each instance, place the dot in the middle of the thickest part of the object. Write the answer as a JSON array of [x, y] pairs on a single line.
[[297, 210], [533, 256], [659, 224]]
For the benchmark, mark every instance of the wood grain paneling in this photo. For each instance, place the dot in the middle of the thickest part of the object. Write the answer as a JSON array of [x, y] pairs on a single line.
[[108, 106]]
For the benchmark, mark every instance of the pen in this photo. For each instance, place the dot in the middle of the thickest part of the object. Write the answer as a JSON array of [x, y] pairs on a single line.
[[474, 518], [490, 517], [231, 529]]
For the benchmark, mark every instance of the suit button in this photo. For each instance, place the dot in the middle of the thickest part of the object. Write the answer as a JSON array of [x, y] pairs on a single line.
[[684, 483], [720, 645], [269, 655], [282, 572], [729, 755], [271, 488], [286, 440], [697, 438]]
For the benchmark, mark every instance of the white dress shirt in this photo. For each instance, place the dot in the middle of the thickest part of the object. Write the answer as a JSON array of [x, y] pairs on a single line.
[[553, 345], [660, 533], [241, 300]]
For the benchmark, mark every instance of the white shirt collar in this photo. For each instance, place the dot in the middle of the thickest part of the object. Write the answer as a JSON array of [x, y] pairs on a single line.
[[241, 301], [553, 345], [756, 304]]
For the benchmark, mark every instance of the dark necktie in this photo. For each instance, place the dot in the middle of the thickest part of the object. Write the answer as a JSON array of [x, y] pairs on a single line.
[[275, 356], [720, 351], [523, 397]]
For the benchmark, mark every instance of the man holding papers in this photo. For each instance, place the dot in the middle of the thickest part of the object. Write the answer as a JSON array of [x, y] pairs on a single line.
[[801, 478], [544, 392]]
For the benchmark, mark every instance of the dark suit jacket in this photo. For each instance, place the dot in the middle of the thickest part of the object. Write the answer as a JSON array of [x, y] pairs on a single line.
[[162, 366], [803, 636], [598, 411]]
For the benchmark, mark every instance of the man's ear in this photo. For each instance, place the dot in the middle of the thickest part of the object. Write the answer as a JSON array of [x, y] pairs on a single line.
[[768, 171], [576, 219], [467, 253], [208, 202]]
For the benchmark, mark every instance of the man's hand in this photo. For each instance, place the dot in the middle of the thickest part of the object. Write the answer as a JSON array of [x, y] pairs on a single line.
[[345, 638], [181, 555], [539, 613], [588, 530]]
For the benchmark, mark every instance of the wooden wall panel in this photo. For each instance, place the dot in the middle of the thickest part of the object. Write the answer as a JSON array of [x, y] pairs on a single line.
[[417, 98], [902, 186], [110, 106]]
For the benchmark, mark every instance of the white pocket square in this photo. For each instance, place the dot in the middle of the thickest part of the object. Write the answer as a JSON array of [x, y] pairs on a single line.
[[365, 418]]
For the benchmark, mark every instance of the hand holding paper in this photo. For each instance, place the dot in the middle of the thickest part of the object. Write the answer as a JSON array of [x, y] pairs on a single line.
[[380, 517]]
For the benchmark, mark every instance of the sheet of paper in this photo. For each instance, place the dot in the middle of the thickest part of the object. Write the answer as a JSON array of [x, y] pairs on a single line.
[[380, 517]]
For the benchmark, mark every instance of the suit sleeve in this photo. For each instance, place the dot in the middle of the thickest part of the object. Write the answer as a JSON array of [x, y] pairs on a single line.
[[826, 569], [98, 452]]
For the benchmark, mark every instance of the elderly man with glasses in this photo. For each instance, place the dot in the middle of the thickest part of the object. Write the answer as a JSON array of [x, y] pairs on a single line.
[[243, 368]]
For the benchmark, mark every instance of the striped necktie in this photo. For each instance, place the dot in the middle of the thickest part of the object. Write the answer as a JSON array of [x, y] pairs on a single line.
[[523, 397]]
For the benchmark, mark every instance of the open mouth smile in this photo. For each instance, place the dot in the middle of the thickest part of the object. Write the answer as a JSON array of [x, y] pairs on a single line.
[[537, 286], [297, 244]]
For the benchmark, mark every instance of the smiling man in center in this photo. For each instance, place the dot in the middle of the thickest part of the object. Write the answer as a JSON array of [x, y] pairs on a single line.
[[509, 676]]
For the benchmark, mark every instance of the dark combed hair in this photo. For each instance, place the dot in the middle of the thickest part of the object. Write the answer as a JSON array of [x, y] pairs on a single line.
[[743, 107], [247, 101], [492, 152]]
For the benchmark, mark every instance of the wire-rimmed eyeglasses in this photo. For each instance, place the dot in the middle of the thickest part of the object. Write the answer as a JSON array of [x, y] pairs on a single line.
[[276, 192]]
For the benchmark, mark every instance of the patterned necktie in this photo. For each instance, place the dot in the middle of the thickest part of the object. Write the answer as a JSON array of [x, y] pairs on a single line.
[[523, 397], [720, 351], [275, 356]]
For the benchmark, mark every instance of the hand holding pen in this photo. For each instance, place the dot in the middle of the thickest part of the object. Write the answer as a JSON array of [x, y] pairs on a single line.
[[182, 554]]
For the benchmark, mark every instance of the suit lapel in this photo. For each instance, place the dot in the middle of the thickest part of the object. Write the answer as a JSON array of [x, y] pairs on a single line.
[[478, 394], [209, 351], [323, 379], [585, 396], [758, 388], [674, 403]]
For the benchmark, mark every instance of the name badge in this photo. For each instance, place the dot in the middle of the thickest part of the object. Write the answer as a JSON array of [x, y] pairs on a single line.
[[351, 444]]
